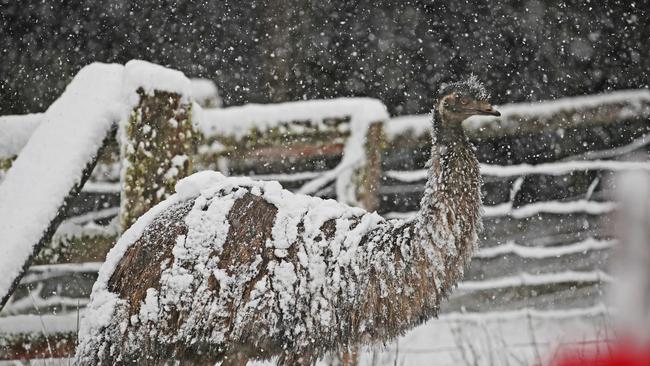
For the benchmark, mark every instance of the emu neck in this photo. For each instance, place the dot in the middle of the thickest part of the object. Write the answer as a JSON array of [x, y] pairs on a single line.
[[432, 249], [449, 215]]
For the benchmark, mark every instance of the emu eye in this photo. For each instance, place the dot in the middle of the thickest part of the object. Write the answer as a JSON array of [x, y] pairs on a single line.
[[464, 100]]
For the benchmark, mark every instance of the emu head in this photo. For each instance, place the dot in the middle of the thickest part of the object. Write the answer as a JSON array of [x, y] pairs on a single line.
[[462, 99]]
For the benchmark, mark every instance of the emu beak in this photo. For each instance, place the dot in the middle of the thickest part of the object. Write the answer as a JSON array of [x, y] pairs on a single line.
[[491, 112], [487, 110]]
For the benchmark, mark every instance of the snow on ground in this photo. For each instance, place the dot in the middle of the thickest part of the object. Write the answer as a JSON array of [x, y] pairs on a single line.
[[495, 338], [505, 338], [52, 161], [522, 337]]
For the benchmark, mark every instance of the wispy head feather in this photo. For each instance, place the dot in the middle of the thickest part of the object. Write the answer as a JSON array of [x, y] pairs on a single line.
[[471, 87]]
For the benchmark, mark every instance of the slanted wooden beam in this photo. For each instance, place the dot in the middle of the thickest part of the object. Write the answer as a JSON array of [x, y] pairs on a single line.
[[53, 167]]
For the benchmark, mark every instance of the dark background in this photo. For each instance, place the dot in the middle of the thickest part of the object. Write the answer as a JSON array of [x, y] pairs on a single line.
[[269, 51]]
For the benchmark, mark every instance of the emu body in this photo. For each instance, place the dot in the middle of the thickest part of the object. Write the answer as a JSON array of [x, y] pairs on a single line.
[[231, 269]]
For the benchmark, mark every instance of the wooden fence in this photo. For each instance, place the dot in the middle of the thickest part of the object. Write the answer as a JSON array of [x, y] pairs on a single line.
[[545, 166]]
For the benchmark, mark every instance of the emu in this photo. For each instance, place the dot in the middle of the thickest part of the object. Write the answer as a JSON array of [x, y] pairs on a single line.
[[231, 269]]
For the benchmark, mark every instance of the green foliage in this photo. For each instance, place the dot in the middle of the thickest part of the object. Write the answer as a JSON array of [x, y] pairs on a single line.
[[5, 164]]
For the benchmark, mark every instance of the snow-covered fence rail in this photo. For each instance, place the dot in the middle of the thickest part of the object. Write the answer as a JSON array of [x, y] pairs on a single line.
[[17, 129], [350, 117], [326, 147], [53, 166], [543, 116], [564, 114], [558, 168], [82, 238], [524, 160], [307, 144], [205, 93], [534, 133]]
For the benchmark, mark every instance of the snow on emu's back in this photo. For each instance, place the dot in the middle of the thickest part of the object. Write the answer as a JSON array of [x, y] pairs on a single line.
[[229, 269]]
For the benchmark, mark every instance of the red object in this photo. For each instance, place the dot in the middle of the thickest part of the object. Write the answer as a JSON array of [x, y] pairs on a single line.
[[608, 355]]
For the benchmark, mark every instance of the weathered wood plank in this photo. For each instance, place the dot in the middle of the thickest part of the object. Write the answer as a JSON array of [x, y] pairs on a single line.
[[487, 268], [544, 229], [412, 152], [541, 297]]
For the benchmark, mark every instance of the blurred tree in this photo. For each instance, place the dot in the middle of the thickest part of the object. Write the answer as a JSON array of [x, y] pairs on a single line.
[[274, 50]]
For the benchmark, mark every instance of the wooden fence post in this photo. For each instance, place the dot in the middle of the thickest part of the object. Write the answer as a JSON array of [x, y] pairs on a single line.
[[370, 174], [158, 141]]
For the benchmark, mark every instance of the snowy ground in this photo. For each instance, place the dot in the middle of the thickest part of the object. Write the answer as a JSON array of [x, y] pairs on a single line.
[[503, 338]]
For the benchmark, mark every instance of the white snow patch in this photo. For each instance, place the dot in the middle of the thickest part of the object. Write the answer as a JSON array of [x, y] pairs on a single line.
[[555, 168], [204, 89], [151, 77], [281, 177], [526, 279], [549, 207], [544, 252], [564, 167], [416, 125], [555, 207], [191, 186], [33, 324], [16, 131], [149, 308], [66, 267], [101, 187]]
